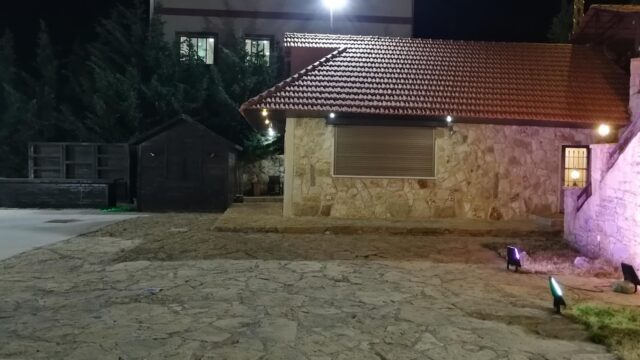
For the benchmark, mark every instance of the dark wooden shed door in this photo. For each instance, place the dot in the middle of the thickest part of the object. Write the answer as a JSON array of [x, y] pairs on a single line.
[[184, 163]]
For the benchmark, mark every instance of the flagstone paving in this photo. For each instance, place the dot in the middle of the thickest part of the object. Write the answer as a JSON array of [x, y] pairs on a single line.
[[72, 300]]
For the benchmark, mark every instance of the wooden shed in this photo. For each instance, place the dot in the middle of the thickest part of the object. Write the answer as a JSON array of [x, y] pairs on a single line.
[[183, 166]]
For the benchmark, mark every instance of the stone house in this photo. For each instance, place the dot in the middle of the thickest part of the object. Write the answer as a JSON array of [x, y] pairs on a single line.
[[379, 127]]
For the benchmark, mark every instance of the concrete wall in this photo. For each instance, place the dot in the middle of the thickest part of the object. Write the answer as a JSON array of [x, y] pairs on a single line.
[[360, 17], [483, 171]]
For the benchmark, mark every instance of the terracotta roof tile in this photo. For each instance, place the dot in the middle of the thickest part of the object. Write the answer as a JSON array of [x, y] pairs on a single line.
[[476, 80]]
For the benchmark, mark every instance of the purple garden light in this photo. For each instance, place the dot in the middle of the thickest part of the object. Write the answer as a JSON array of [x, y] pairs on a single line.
[[513, 258]]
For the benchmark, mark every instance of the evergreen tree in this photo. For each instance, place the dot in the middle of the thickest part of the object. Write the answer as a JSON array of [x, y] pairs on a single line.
[[125, 82], [562, 24], [134, 80], [9, 121]]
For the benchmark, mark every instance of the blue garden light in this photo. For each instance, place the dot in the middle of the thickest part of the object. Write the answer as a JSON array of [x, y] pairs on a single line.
[[556, 291], [513, 258]]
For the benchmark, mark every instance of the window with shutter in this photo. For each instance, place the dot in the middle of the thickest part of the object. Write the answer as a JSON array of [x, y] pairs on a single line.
[[383, 151]]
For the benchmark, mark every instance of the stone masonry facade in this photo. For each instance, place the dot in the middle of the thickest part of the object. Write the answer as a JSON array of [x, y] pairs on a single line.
[[254, 177], [482, 171]]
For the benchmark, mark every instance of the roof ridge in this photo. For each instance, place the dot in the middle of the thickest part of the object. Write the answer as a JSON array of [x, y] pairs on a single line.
[[338, 37], [282, 85]]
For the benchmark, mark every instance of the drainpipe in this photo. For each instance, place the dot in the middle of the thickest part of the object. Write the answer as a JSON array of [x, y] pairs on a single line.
[[634, 87]]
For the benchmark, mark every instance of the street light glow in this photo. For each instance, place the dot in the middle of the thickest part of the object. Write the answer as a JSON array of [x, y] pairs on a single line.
[[335, 4]]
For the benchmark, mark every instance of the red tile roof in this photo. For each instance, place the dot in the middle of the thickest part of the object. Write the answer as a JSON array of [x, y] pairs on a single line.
[[474, 81]]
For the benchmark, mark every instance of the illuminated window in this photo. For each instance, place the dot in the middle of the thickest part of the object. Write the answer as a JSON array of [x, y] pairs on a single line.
[[576, 166], [258, 47], [203, 45]]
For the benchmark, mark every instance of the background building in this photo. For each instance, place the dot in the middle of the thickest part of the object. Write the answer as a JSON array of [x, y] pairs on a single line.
[[262, 24]]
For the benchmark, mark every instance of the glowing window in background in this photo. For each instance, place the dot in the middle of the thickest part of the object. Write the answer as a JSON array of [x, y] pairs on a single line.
[[258, 48], [204, 47], [576, 166]]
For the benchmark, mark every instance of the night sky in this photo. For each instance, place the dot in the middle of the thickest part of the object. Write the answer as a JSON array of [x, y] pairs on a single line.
[[73, 21], [493, 20]]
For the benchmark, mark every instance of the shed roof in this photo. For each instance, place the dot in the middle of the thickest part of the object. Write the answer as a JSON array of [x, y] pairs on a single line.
[[139, 139], [563, 84]]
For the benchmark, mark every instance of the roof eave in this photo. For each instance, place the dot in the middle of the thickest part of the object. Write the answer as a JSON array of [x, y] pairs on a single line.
[[361, 118]]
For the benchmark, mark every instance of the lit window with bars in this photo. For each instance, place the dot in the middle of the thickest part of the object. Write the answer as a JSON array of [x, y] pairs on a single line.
[[258, 47], [576, 166], [203, 46]]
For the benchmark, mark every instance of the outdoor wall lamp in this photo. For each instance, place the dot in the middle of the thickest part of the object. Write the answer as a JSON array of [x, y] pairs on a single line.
[[265, 112], [556, 292], [604, 130], [332, 115], [513, 258], [575, 175], [630, 275], [449, 120], [267, 122]]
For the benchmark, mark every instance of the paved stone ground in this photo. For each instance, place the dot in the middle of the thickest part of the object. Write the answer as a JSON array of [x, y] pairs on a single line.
[[71, 301]]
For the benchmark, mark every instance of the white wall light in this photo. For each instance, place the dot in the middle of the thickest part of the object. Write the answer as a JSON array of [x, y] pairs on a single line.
[[604, 130], [575, 174]]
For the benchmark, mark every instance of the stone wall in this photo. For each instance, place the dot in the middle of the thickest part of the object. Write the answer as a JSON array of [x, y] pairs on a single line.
[[483, 171], [608, 225], [255, 177]]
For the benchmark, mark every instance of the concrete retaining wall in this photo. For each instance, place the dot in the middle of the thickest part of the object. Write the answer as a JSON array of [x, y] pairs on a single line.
[[34, 193]]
